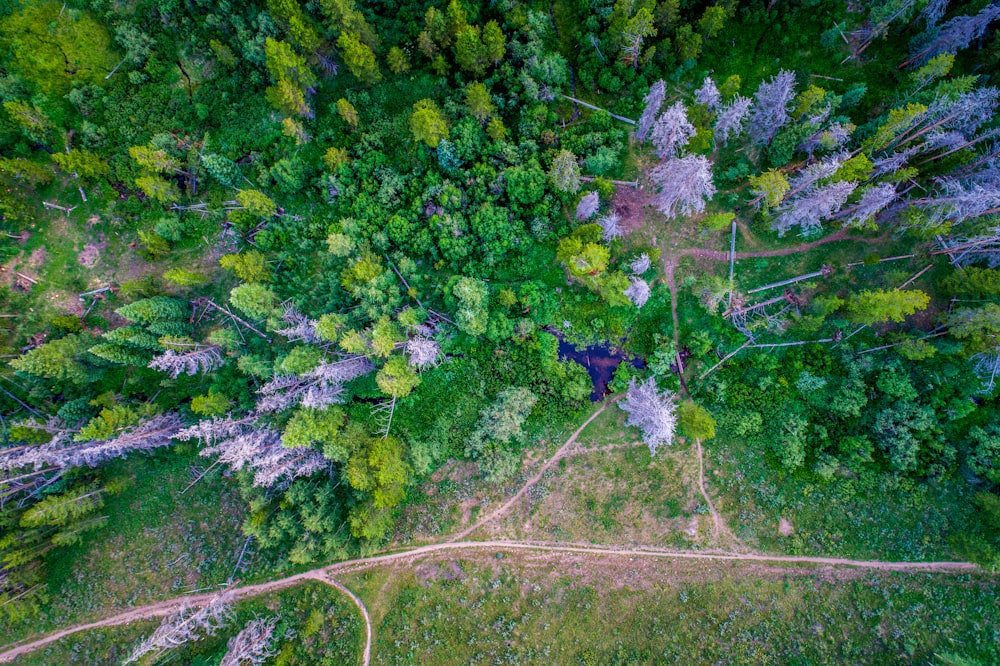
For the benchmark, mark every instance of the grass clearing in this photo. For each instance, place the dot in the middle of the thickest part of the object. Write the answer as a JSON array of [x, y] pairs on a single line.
[[555, 609], [609, 490]]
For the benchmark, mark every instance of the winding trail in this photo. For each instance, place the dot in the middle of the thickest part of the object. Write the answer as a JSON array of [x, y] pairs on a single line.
[[366, 654]]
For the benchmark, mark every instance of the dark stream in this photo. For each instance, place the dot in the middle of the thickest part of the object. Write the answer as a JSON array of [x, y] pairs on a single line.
[[600, 361]]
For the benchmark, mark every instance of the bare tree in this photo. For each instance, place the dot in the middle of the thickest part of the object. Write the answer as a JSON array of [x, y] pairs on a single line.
[[685, 185], [652, 412], [729, 122], [771, 104], [874, 200], [640, 264], [200, 359], [246, 443], [672, 131], [638, 291], [956, 34], [320, 386], [300, 328], [708, 94], [957, 202], [185, 626], [252, 646], [423, 352], [610, 224], [587, 208], [654, 100], [934, 12], [808, 210]]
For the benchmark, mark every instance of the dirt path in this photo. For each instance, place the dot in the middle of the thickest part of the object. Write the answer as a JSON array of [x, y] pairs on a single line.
[[566, 447], [716, 520]]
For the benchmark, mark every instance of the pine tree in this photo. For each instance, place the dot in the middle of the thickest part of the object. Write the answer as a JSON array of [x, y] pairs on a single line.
[[57, 360], [565, 172], [771, 106]]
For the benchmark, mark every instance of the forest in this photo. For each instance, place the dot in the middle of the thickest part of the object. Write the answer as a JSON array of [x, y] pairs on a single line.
[[291, 281]]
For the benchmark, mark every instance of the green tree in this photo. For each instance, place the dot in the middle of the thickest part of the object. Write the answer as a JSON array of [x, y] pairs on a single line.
[[317, 427], [256, 300], [249, 266], [211, 404], [565, 172], [494, 42], [472, 315], [874, 306], [347, 113], [711, 21], [470, 52], [397, 60], [292, 79], [397, 378], [769, 188], [359, 58], [53, 47], [479, 102], [695, 421], [57, 360], [32, 121], [427, 123]]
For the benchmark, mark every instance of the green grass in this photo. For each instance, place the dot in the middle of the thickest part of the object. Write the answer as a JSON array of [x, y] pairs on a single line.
[[488, 610], [317, 626], [617, 495], [878, 515]]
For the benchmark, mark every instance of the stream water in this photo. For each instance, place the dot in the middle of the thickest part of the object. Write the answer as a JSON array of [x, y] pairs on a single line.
[[600, 362]]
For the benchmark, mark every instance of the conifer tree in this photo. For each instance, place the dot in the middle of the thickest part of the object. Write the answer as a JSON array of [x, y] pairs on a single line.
[[565, 172]]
